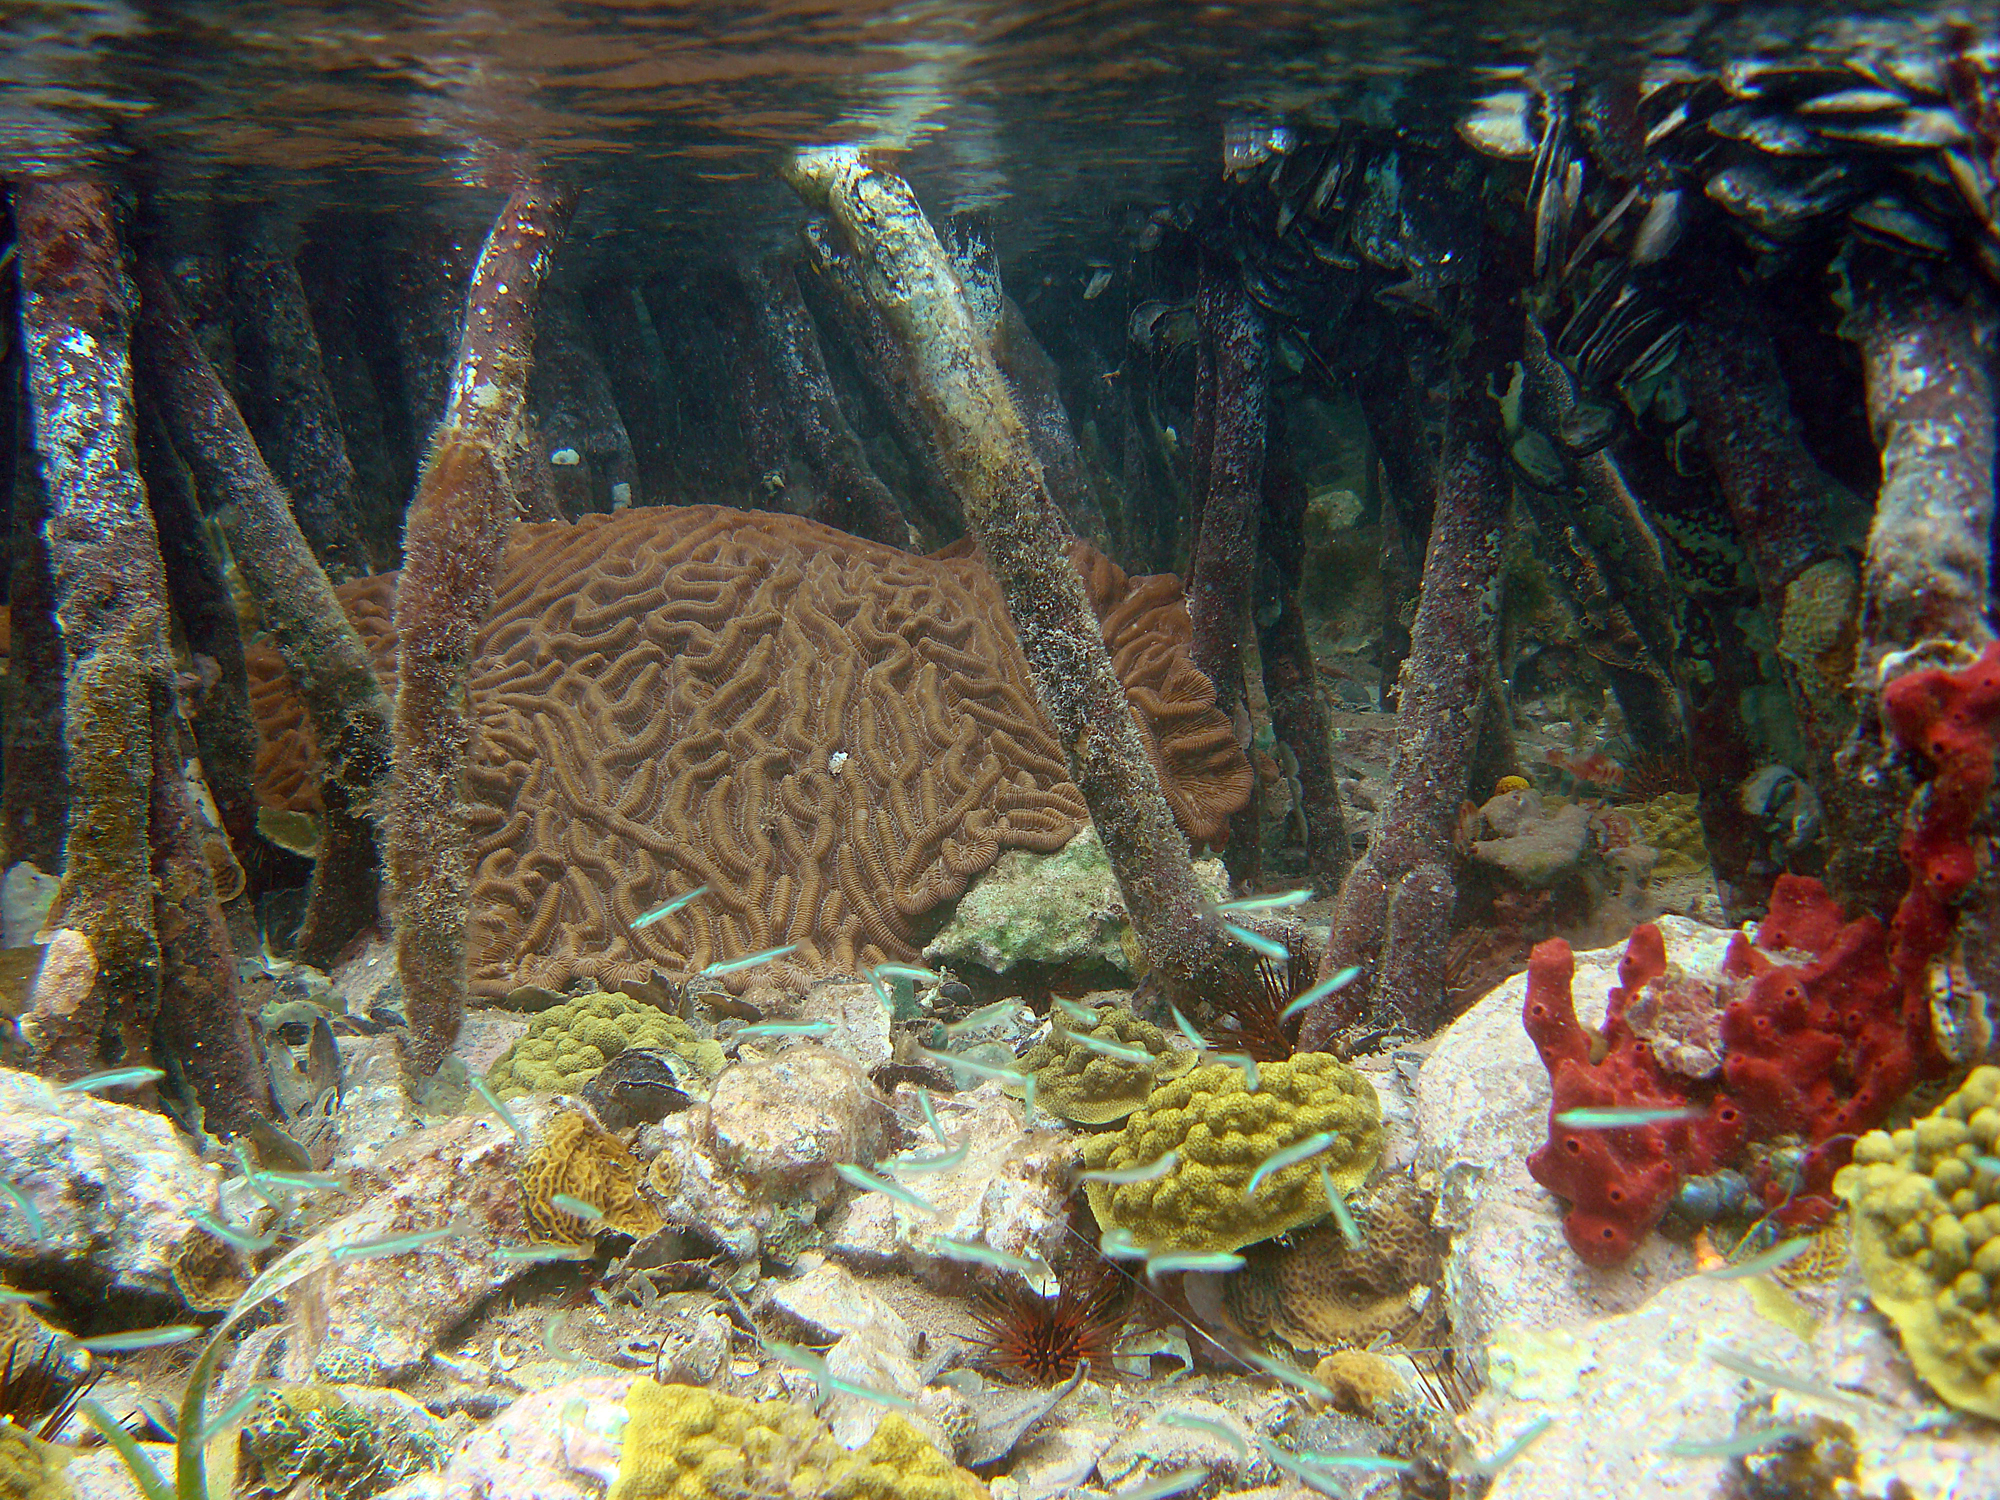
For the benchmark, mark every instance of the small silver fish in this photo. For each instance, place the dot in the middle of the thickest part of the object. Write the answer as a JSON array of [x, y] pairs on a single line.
[[1171, 1261], [141, 1338], [485, 1092], [1247, 1063], [1177, 1483], [1737, 1447], [229, 1234], [931, 1117], [1337, 1204], [930, 1163], [534, 1255], [1319, 992], [1194, 1038], [229, 1414], [14, 1294], [868, 1182], [1222, 1431], [1118, 1244], [1279, 1371], [1094, 288], [1372, 1463], [37, 1230], [116, 1078], [977, 1069], [974, 1254], [735, 965], [870, 1393], [1083, 1015], [1271, 948], [1624, 1119], [1515, 1447], [395, 1244], [660, 912], [1266, 903], [1291, 1156], [1151, 1172], [786, 1028], [875, 983], [301, 1182], [577, 1208], [1116, 1051], [799, 1359], [910, 972], [1802, 1385], [1770, 1260]]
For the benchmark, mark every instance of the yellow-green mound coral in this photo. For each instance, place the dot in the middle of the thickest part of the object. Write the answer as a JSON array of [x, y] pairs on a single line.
[[1926, 1229], [1671, 824], [1221, 1133], [312, 1440], [1090, 1088], [567, 1044], [31, 1469], [580, 1159], [683, 1442]]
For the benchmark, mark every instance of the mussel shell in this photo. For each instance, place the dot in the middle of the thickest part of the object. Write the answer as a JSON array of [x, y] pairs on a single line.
[[639, 1086], [1588, 428], [1537, 459]]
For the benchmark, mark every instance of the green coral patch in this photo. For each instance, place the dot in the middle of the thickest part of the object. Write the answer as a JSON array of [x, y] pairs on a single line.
[[1221, 1133], [1926, 1226], [567, 1044], [1089, 1087]]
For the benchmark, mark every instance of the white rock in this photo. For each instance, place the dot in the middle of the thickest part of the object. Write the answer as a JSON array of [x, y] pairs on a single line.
[[562, 1443], [784, 1122], [860, 1020], [112, 1184], [1641, 1380], [393, 1308], [706, 1199], [26, 895], [1482, 1103], [375, 1107], [828, 1303], [1155, 1449], [1007, 1194]]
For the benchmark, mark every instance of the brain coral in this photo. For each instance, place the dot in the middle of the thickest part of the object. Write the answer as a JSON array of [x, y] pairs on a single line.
[[580, 1159], [1926, 1229], [1221, 1133], [834, 737], [686, 1443], [567, 1044], [1090, 1088]]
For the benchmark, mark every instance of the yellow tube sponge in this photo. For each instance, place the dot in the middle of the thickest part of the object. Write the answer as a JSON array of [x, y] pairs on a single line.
[[1221, 1134], [684, 1442], [567, 1044], [1926, 1228], [1091, 1087]]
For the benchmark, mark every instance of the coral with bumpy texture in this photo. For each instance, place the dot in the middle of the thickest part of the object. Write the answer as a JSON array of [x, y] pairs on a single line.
[[578, 1158], [31, 1469], [1671, 823], [1221, 1132], [567, 1044], [686, 1443], [833, 736], [1089, 1088], [1926, 1224], [311, 1440]]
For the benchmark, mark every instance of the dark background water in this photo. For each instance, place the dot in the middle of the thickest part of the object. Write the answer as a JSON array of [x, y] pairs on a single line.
[[1053, 120]]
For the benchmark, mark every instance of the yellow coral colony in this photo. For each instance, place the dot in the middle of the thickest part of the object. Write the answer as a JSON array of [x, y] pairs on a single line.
[[1926, 1216], [1090, 1088], [566, 1045], [579, 1159], [683, 1442], [1221, 1132]]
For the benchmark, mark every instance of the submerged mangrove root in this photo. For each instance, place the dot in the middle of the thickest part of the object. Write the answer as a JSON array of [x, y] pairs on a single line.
[[570, 392], [287, 402], [1291, 679], [984, 450], [137, 893], [1392, 404], [1925, 584], [457, 525], [1393, 919], [34, 784], [851, 496], [321, 651], [1780, 502]]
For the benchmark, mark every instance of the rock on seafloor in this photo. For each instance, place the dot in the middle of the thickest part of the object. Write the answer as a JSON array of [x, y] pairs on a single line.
[[112, 1184], [1007, 1194], [1482, 1106], [562, 1443], [1642, 1380], [390, 1310], [1060, 908], [784, 1121]]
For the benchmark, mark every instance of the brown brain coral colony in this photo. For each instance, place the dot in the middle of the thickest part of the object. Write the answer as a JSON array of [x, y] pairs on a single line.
[[834, 737]]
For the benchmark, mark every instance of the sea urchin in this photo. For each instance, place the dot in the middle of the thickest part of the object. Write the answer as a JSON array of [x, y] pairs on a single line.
[[1043, 1339]]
